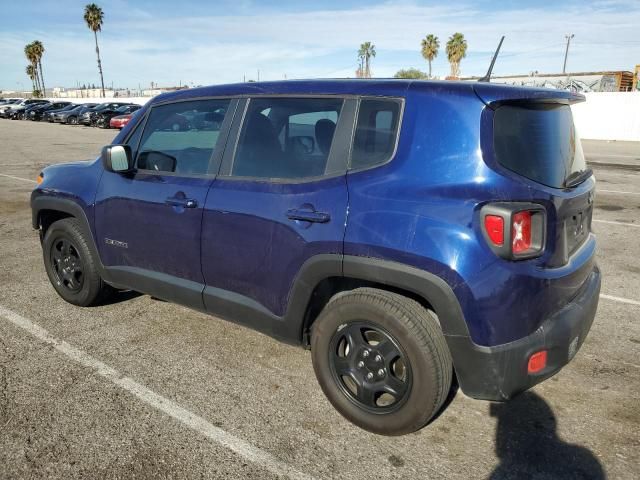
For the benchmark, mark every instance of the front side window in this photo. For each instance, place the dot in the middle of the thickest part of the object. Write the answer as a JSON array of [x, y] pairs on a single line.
[[287, 138], [180, 137], [376, 132]]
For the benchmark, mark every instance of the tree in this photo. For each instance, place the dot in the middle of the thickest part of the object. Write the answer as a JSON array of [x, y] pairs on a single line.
[[366, 52], [430, 45], [38, 51], [31, 73], [410, 73], [360, 70], [456, 51], [29, 52], [94, 17]]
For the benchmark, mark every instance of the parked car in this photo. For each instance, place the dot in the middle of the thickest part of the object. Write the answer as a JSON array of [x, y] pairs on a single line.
[[120, 121], [89, 117], [401, 230], [71, 116], [5, 102], [38, 113], [9, 101], [103, 117], [8, 108], [20, 112], [48, 115]]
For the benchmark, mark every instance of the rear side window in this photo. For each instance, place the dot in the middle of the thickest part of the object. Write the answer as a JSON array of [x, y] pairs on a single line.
[[287, 138], [376, 132], [180, 137], [539, 142]]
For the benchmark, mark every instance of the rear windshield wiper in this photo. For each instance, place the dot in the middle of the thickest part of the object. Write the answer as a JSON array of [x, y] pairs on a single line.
[[576, 178]]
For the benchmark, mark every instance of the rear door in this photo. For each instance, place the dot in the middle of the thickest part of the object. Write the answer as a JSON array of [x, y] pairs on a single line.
[[280, 199], [148, 223]]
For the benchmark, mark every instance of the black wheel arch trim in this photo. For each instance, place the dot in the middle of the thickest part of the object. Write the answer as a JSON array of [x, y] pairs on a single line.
[[41, 202]]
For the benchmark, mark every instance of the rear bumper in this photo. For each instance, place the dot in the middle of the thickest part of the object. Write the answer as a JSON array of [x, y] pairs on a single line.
[[500, 372]]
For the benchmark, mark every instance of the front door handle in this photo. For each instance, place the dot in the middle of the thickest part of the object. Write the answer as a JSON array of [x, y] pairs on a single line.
[[181, 202], [308, 215]]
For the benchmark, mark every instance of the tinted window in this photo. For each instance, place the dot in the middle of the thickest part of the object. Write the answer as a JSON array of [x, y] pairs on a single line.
[[180, 137], [376, 132], [538, 142], [287, 138]]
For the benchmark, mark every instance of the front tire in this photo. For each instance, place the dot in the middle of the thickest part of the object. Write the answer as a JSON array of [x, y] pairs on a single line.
[[381, 360], [72, 120], [70, 265]]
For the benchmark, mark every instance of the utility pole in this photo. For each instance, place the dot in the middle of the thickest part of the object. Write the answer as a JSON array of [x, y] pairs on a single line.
[[566, 52]]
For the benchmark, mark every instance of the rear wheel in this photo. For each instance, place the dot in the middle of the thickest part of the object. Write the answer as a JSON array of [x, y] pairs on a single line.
[[381, 360], [70, 265]]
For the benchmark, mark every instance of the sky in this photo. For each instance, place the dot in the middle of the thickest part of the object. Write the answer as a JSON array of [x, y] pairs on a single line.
[[172, 42]]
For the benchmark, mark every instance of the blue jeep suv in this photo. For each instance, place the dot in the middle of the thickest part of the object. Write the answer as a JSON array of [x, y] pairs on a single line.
[[412, 234]]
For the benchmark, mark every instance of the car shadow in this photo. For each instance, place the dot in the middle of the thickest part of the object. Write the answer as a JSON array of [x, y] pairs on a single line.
[[119, 296], [528, 445]]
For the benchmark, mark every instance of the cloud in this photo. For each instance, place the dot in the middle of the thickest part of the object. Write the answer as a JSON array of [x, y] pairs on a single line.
[[170, 47]]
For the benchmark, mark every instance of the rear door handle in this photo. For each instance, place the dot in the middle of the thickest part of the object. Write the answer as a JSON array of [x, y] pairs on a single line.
[[181, 202], [308, 215]]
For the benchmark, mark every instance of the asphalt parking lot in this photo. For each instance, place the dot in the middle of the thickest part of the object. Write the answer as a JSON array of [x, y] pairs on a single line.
[[145, 389]]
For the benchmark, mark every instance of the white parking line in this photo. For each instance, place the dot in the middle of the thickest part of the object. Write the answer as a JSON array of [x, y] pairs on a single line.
[[18, 178], [617, 191], [189, 419], [611, 222], [620, 299], [605, 155]]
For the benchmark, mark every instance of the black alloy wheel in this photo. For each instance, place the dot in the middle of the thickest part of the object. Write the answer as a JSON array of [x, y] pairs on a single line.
[[370, 367], [381, 360], [66, 264]]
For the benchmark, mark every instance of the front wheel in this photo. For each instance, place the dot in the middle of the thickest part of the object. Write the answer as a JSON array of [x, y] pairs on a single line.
[[72, 120], [381, 360], [70, 265]]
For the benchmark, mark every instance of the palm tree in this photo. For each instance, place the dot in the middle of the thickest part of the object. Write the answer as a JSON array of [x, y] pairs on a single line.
[[456, 51], [29, 52], [430, 45], [31, 73], [94, 17], [38, 52], [367, 50], [360, 70]]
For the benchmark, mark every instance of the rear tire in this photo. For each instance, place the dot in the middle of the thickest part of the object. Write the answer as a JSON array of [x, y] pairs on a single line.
[[70, 265], [406, 333]]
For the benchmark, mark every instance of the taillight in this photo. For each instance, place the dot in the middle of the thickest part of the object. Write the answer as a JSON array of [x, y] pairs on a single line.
[[521, 232], [514, 230], [494, 226]]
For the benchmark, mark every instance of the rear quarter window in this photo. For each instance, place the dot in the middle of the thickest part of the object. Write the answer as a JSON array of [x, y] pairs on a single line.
[[376, 132]]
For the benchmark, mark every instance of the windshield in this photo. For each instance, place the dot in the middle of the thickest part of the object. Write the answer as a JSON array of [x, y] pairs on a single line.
[[538, 141]]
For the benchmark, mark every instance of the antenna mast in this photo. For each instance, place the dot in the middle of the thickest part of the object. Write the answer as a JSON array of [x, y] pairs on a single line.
[[487, 77]]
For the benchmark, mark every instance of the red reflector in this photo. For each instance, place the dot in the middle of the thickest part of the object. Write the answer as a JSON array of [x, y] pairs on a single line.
[[494, 226], [521, 232], [537, 362]]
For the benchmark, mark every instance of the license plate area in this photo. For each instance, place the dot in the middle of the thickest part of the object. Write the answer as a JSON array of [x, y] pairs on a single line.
[[576, 230]]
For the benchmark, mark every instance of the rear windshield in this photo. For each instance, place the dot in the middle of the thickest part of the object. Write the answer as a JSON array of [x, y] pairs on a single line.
[[539, 142]]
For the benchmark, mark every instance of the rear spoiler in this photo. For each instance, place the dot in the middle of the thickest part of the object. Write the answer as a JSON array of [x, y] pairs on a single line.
[[494, 95]]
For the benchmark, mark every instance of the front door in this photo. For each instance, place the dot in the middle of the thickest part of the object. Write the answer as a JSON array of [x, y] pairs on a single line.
[[280, 199], [148, 223]]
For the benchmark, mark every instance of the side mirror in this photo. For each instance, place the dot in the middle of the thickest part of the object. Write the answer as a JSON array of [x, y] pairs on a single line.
[[117, 158]]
